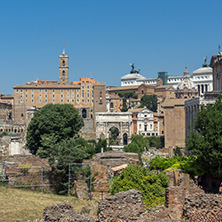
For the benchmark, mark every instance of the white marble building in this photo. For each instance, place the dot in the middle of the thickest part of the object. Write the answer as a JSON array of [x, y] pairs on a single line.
[[145, 123], [202, 77]]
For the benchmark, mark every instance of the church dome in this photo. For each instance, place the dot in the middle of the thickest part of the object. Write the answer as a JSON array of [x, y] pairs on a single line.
[[186, 82]]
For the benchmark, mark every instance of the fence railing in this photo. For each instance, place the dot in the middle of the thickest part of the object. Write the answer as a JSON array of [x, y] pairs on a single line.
[[39, 177]]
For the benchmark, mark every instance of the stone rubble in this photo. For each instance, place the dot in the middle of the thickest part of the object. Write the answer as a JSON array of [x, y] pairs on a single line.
[[63, 212]]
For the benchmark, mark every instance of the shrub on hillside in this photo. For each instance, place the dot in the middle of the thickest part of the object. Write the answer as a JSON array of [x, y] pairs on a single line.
[[134, 177]]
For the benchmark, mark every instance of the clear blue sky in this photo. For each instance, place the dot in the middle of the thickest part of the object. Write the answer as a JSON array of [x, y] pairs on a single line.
[[102, 37]]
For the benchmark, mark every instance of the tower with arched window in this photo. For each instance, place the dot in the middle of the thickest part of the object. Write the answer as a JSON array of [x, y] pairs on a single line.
[[63, 68]]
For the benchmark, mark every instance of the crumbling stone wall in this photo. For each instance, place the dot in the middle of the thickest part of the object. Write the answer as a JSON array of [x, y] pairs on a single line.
[[124, 206], [111, 159], [26, 159], [203, 207]]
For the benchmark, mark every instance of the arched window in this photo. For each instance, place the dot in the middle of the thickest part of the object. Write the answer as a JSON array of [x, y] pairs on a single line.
[[63, 73], [84, 113], [111, 105], [63, 63]]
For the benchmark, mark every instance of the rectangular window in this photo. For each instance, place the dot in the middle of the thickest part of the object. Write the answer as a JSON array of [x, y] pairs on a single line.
[[45, 90], [16, 90], [77, 90], [40, 100], [67, 101], [72, 90], [67, 90], [73, 100], [61, 90], [26, 100], [46, 100], [21, 90], [83, 100], [21, 95], [53, 96], [40, 95], [61, 100], [61, 96], [53, 100], [88, 100], [45, 96], [40, 90], [72, 95], [77, 100], [26, 90], [78, 95], [26, 96], [32, 95], [145, 127], [68, 95], [32, 101], [21, 101]]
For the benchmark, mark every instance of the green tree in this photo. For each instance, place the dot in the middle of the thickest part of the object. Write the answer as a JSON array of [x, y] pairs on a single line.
[[152, 185], [69, 150], [150, 102], [155, 141], [206, 141], [102, 143], [127, 95], [138, 143], [177, 151], [50, 125]]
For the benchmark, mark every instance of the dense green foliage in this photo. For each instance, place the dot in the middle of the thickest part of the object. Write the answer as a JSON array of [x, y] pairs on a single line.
[[70, 150], [50, 125], [152, 185], [125, 96], [138, 143], [187, 164], [206, 142], [150, 102], [177, 151], [128, 94], [101, 144], [155, 141]]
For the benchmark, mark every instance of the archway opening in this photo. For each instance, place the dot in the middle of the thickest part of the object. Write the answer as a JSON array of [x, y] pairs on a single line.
[[125, 139], [114, 134]]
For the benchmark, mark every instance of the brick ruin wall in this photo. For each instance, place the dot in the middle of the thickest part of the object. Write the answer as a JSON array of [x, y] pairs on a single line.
[[124, 206], [185, 201], [28, 176]]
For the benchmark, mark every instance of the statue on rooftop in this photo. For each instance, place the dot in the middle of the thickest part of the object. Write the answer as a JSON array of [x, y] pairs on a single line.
[[133, 70]]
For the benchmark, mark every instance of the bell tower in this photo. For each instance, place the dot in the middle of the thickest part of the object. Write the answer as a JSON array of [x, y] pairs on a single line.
[[63, 68]]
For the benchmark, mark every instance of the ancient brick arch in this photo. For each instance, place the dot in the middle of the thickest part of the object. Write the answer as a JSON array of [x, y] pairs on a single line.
[[105, 121]]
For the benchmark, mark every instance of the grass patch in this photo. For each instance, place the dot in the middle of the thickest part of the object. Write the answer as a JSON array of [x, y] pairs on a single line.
[[23, 205]]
